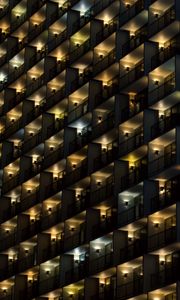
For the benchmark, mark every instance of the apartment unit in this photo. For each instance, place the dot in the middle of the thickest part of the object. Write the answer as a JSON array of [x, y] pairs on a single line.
[[90, 149]]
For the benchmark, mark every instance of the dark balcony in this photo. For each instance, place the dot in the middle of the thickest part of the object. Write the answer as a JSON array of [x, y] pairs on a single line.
[[131, 215], [130, 289], [103, 192], [49, 219], [56, 185], [108, 293], [135, 176], [106, 157], [103, 126], [164, 161], [8, 239], [49, 284], [131, 76], [137, 247], [12, 128], [79, 172], [18, 22], [80, 204], [29, 200], [37, 83], [11, 183], [168, 275], [172, 48], [168, 195], [75, 239], [53, 156], [163, 238], [133, 42], [161, 22], [105, 225], [79, 51], [57, 40], [162, 90], [167, 122], [131, 12], [132, 143], [138, 104], [78, 111], [101, 263], [105, 62], [77, 273]]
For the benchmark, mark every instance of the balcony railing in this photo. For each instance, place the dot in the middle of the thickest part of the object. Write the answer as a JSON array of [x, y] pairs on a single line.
[[162, 238], [103, 192], [78, 111], [164, 161], [133, 142], [168, 275], [166, 53], [168, 197], [132, 75], [131, 12], [162, 90], [167, 123], [130, 289], [105, 62], [134, 177], [136, 249], [130, 214], [133, 42], [164, 20], [103, 126], [138, 104]]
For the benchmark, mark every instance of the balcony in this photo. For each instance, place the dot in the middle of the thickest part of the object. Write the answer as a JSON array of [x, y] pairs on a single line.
[[78, 111], [47, 220], [168, 275], [131, 214], [130, 289], [162, 238], [104, 63], [77, 273], [106, 157], [161, 22], [79, 51], [162, 90], [131, 76], [75, 239], [108, 224], [8, 239], [138, 104], [103, 192], [75, 175], [167, 122], [103, 126], [56, 185], [57, 40], [131, 12], [12, 128], [53, 156], [137, 247], [170, 49], [164, 161], [80, 204], [130, 144], [135, 176], [136, 40], [101, 263], [167, 197]]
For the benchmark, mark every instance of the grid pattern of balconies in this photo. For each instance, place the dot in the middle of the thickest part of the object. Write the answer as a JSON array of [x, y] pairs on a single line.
[[90, 149]]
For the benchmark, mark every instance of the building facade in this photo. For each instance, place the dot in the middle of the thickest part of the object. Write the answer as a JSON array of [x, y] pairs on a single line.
[[90, 149]]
